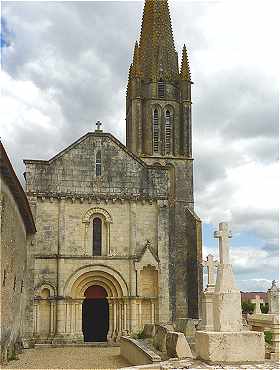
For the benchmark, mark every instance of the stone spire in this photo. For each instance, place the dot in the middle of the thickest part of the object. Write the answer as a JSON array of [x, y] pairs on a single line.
[[185, 68], [136, 69], [158, 57], [129, 80]]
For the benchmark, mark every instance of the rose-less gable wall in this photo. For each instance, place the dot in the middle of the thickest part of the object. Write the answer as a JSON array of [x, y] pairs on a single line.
[[130, 199]]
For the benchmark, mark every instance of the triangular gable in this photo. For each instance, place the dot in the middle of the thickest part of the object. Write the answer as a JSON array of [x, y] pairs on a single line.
[[79, 141], [147, 257]]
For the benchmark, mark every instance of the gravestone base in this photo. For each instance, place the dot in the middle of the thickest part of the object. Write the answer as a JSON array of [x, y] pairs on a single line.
[[230, 347]]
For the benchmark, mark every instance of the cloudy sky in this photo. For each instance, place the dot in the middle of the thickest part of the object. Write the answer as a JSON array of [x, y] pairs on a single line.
[[65, 66]]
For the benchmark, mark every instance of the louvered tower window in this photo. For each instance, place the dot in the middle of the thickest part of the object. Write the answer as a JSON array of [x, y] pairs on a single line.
[[161, 89], [97, 236], [98, 163], [155, 131], [168, 132]]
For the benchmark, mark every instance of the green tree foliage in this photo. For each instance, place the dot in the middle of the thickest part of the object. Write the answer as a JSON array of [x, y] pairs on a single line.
[[247, 307]]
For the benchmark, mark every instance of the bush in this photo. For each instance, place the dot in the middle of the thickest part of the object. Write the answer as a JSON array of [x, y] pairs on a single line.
[[264, 307], [247, 307], [268, 337]]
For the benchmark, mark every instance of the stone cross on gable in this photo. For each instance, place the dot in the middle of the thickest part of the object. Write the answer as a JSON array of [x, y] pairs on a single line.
[[98, 124], [223, 234], [210, 264]]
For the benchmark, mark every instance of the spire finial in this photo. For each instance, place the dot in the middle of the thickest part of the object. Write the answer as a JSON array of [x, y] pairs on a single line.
[[185, 68], [156, 42], [136, 69]]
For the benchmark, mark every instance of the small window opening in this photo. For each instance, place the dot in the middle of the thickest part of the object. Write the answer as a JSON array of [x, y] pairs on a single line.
[[21, 286], [4, 278], [98, 163], [97, 236], [167, 132], [156, 131], [161, 89], [15, 283]]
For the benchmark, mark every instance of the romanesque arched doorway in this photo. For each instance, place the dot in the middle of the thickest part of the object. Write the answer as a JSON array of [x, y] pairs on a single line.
[[95, 314]]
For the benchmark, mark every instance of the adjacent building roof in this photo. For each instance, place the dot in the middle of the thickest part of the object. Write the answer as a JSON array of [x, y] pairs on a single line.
[[8, 174], [247, 296]]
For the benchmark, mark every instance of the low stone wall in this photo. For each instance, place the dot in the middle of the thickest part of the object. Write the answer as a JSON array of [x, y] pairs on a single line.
[[136, 352], [230, 347], [262, 321]]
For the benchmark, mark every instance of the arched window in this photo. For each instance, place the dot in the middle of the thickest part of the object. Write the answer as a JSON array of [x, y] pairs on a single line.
[[168, 132], [155, 131], [97, 236], [161, 89], [98, 163]]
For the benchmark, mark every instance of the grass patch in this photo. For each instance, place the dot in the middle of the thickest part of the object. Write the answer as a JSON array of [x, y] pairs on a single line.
[[138, 335]]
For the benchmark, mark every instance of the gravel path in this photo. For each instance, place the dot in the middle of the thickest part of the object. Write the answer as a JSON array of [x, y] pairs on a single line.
[[69, 358]]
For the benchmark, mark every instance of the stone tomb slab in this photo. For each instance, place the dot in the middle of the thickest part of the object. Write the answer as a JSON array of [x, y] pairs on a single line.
[[177, 345], [230, 347]]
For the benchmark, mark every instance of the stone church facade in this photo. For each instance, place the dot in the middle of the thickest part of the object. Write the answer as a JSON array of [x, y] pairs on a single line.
[[118, 243]]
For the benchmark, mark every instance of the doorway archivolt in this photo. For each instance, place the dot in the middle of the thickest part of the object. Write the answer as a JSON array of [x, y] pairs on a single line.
[[115, 291], [104, 276]]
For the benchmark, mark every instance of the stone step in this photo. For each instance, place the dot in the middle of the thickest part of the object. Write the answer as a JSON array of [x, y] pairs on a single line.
[[87, 344]]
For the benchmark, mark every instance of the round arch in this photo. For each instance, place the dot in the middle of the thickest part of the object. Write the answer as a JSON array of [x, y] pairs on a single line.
[[45, 285], [97, 211], [83, 278]]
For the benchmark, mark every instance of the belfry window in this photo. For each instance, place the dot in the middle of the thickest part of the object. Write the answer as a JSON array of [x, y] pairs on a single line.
[[98, 163], [97, 236], [161, 89], [155, 131], [168, 132]]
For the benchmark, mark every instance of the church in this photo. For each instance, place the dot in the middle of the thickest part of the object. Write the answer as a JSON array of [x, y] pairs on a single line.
[[118, 243]]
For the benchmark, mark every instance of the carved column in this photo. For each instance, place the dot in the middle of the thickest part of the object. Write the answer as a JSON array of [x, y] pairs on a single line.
[[114, 319], [52, 317], [36, 321], [125, 317], [139, 315], [111, 313], [153, 311], [60, 317], [79, 319], [120, 317]]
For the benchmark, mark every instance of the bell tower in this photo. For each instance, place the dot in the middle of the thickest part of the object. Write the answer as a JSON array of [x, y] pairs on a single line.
[[159, 131], [158, 106]]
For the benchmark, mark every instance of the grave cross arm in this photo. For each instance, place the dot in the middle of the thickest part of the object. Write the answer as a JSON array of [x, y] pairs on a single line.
[[210, 264], [223, 234]]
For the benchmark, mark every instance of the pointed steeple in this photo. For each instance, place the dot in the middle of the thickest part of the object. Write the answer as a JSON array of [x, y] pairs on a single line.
[[185, 68], [158, 57], [136, 69], [129, 80]]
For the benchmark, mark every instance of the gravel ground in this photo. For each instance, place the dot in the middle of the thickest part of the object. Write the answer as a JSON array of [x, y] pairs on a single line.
[[69, 358]]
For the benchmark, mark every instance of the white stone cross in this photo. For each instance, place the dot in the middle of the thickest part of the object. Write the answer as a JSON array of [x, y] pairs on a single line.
[[210, 264], [223, 234], [257, 304], [98, 124]]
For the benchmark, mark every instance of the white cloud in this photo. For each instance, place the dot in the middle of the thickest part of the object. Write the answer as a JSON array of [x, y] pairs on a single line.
[[63, 74], [249, 262]]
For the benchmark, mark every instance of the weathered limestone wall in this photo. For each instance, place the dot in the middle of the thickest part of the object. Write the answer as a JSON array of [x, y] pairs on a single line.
[[13, 269], [185, 239], [130, 199]]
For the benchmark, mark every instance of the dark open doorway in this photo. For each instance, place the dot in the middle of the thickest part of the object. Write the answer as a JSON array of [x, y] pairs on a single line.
[[95, 315]]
